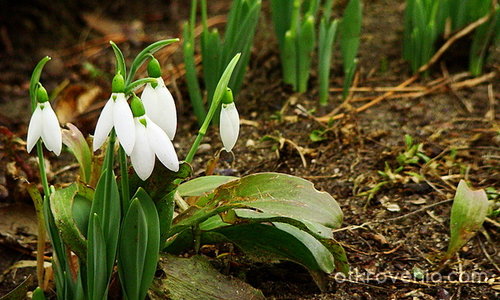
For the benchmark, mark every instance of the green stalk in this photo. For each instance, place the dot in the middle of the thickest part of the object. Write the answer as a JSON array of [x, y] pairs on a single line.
[[35, 78], [219, 92]]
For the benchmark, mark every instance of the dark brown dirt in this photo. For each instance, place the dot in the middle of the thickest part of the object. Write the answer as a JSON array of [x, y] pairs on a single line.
[[344, 164]]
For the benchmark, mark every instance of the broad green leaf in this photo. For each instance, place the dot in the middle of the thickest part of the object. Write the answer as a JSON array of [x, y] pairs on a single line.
[[283, 195], [468, 213], [277, 194], [312, 228], [97, 273], [153, 241], [76, 143], [132, 250], [195, 278], [70, 208], [280, 242], [107, 206], [202, 185]]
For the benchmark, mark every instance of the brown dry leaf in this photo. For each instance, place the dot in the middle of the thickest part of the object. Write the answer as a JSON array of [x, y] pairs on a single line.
[[131, 30], [74, 101]]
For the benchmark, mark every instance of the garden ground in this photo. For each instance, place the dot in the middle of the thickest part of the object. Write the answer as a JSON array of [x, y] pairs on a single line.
[[398, 233]]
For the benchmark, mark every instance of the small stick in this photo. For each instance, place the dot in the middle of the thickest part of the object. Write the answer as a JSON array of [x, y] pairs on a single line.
[[382, 89]]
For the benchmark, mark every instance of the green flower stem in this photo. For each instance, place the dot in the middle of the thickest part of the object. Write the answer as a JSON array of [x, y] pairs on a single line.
[[194, 147], [203, 130], [41, 166], [124, 180], [40, 245], [136, 84], [217, 98]]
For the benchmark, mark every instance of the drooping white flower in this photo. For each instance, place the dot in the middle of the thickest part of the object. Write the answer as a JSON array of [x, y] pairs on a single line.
[[151, 141], [160, 107], [44, 124], [116, 113], [229, 122]]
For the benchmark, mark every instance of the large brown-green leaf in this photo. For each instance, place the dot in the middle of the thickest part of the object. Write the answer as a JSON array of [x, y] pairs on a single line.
[[71, 207], [194, 278], [272, 194]]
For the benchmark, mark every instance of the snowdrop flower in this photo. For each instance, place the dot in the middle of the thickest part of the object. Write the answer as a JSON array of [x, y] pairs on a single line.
[[44, 124], [116, 113], [229, 121], [158, 101], [150, 141]]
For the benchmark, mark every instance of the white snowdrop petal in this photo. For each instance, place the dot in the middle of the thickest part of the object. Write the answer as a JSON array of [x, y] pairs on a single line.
[[229, 126], [104, 125], [167, 111], [162, 146], [142, 156], [124, 123], [150, 100], [51, 131], [34, 129]]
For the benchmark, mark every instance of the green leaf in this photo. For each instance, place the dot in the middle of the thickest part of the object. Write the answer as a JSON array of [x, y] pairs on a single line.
[[144, 55], [70, 221], [153, 241], [350, 30], [191, 75], [279, 242], [38, 294], [120, 60], [313, 228], [317, 135], [76, 143], [278, 194], [327, 34], [283, 195], [35, 79], [305, 46], [132, 250], [202, 185], [468, 213], [482, 39], [195, 278], [211, 46], [161, 181], [106, 205], [289, 59], [97, 273]]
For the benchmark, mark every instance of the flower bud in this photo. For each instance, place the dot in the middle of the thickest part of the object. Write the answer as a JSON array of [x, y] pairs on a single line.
[[41, 94], [227, 98], [118, 85], [154, 69], [137, 107]]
